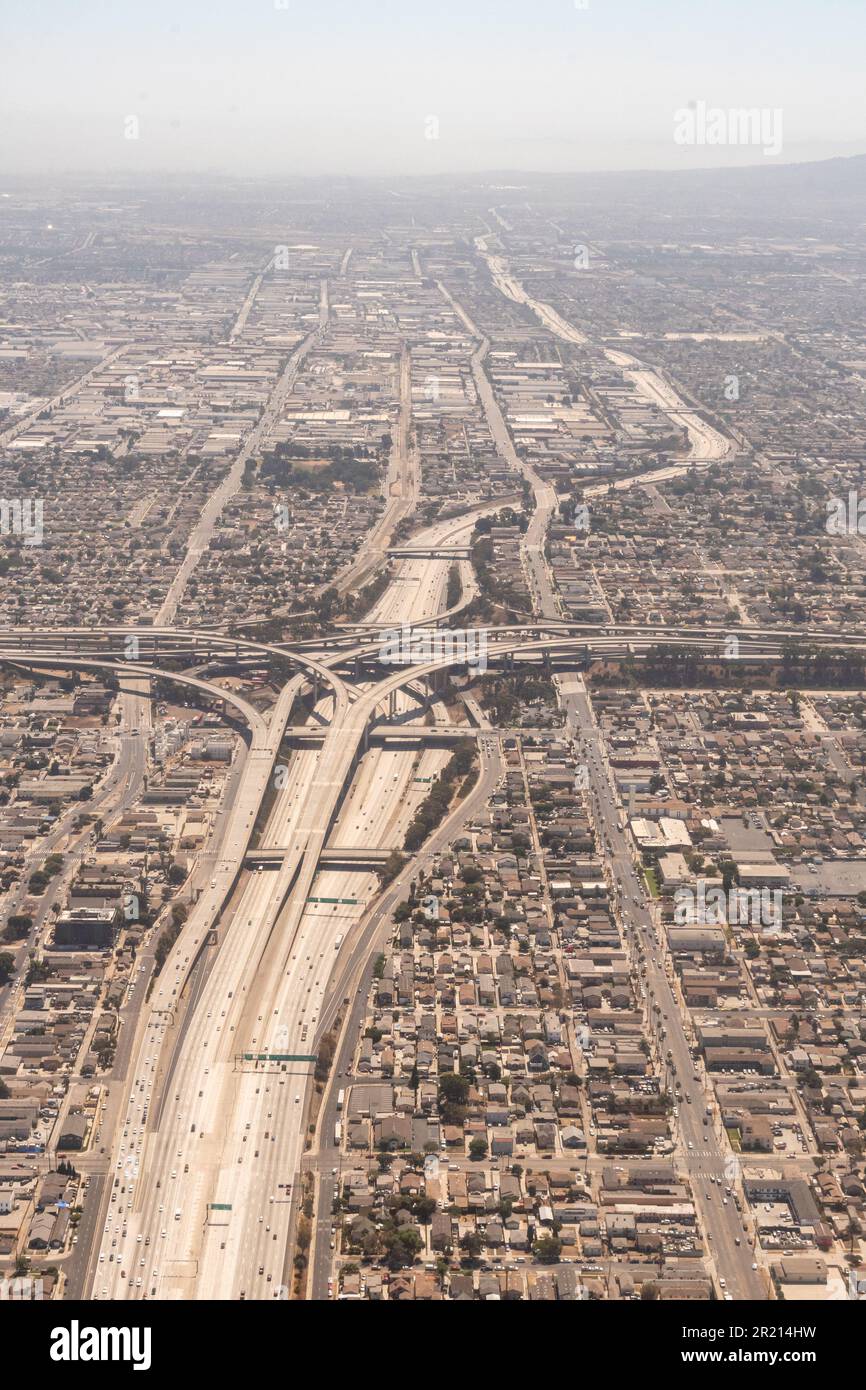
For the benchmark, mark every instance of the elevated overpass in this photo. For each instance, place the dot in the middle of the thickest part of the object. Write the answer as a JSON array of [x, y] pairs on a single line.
[[419, 735], [255, 722], [140, 643], [330, 858], [430, 552]]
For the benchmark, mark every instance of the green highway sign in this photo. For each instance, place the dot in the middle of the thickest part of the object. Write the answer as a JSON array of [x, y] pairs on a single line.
[[280, 1057], [220, 1206]]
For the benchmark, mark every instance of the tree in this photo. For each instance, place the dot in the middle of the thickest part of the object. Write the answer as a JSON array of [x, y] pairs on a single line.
[[471, 1245], [453, 1089], [423, 1208], [7, 965], [403, 1245], [547, 1250], [18, 926], [392, 867], [325, 1058], [477, 1147]]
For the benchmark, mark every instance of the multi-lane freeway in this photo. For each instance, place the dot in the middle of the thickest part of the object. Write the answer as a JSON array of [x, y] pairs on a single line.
[[207, 1131], [209, 1145]]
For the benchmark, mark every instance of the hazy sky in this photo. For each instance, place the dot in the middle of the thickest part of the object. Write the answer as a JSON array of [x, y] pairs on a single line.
[[357, 86]]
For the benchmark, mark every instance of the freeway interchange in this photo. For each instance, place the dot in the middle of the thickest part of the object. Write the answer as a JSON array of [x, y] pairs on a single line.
[[200, 1190], [196, 1203]]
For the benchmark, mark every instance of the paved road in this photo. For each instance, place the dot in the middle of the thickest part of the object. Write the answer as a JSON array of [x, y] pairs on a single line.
[[354, 981], [272, 963], [703, 1151], [201, 534], [706, 444], [401, 487], [544, 495], [113, 797], [227, 1132]]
